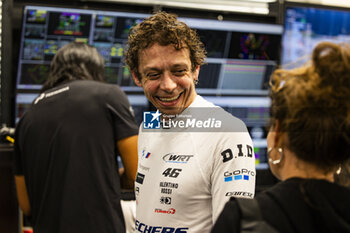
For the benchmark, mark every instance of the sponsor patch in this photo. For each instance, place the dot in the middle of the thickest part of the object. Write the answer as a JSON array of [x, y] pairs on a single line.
[[239, 194], [145, 154], [169, 211], [143, 228], [139, 178], [241, 174], [165, 200], [175, 158], [242, 151]]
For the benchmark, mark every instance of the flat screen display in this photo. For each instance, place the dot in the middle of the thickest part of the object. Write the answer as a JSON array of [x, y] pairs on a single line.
[[240, 55], [47, 29], [306, 26]]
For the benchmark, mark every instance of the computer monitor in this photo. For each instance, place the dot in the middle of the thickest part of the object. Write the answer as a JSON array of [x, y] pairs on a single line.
[[307, 25], [240, 55], [47, 29]]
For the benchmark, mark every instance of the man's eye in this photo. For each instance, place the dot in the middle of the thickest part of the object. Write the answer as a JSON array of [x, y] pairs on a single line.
[[180, 72], [153, 75]]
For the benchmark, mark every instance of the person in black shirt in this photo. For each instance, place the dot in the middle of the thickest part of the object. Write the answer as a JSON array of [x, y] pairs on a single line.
[[66, 146]]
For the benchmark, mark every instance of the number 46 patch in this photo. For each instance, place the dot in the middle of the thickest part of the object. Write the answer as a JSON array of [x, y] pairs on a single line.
[[172, 172], [227, 154]]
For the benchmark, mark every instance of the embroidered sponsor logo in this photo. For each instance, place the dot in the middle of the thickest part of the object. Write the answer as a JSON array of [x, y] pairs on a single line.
[[165, 200], [139, 178], [174, 158], [242, 174], [169, 211], [239, 194], [49, 94], [143, 228], [242, 151], [145, 154]]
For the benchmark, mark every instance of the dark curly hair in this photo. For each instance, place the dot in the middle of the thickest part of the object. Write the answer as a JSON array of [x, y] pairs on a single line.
[[165, 29], [312, 106], [75, 61]]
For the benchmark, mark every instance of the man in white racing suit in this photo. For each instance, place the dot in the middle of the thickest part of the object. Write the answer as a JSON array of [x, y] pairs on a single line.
[[193, 156]]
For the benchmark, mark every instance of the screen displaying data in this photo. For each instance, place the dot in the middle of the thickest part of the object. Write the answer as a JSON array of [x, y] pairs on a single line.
[[47, 29], [240, 55], [306, 26]]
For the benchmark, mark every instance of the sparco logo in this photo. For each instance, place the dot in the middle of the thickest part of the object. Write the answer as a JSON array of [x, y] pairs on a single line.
[[169, 211], [174, 158], [141, 227]]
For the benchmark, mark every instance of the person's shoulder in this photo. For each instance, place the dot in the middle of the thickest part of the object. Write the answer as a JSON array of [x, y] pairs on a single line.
[[282, 190], [96, 85], [93, 83]]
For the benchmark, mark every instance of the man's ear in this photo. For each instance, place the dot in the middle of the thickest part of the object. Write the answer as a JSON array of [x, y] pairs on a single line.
[[196, 73], [136, 80]]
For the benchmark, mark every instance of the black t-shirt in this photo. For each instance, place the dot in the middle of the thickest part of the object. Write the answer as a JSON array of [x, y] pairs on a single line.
[[296, 206], [65, 146]]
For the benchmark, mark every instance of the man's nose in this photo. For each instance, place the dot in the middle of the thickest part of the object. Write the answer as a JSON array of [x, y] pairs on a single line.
[[168, 83]]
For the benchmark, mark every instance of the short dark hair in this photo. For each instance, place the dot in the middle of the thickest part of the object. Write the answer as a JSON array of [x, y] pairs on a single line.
[[75, 61], [165, 29]]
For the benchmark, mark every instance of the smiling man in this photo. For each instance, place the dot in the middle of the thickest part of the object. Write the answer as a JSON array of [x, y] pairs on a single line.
[[192, 163], [167, 77]]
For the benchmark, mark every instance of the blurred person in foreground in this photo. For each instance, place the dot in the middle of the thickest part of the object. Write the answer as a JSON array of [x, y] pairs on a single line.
[[66, 146], [309, 139], [186, 171]]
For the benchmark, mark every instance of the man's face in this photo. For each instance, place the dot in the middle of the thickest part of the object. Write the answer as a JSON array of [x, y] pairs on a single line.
[[166, 78]]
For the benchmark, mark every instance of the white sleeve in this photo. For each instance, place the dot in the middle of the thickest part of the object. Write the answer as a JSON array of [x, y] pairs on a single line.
[[233, 171]]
